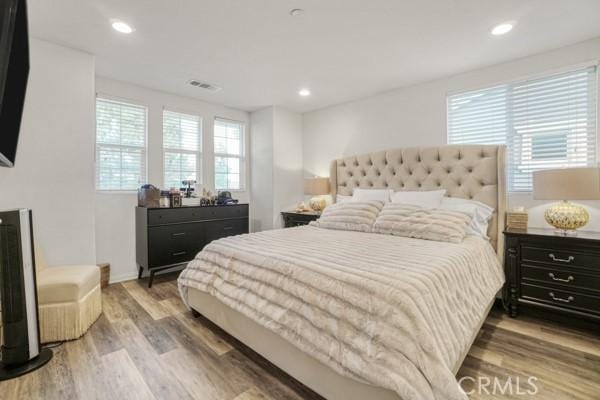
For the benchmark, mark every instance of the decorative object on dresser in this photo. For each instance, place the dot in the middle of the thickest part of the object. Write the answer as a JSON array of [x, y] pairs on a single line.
[[516, 219], [553, 276], [565, 185], [317, 187], [149, 196], [292, 218], [170, 237]]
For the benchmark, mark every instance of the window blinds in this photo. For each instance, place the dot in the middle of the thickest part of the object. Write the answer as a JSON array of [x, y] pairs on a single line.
[[548, 122], [120, 145], [229, 154], [182, 148]]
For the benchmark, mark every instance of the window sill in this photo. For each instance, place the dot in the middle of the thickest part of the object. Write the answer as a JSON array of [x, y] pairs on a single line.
[[117, 192]]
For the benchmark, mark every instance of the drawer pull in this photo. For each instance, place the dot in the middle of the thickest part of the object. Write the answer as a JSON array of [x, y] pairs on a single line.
[[180, 253], [567, 300], [227, 228], [565, 260], [178, 234], [554, 278]]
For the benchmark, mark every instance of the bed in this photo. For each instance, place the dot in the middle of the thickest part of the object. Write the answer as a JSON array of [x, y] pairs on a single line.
[[356, 315]]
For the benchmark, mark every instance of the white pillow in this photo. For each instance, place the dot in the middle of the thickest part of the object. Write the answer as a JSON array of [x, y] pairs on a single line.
[[480, 213], [371, 195], [425, 199], [340, 198]]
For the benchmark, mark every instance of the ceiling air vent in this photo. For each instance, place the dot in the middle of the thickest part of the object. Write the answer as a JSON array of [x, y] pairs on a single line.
[[204, 85]]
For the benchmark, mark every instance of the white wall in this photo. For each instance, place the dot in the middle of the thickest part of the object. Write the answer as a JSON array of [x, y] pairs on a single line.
[[276, 165], [287, 163], [115, 219], [261, 168], [416, 116], [54, 172]]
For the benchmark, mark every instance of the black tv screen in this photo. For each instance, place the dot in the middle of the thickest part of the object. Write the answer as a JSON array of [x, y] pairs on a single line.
[[14, 71]]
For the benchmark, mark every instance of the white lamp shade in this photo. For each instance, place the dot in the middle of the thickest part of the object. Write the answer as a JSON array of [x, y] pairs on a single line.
[[567, 184], [316, 186]]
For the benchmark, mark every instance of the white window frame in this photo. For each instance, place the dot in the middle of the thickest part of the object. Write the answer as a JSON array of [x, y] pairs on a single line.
[[144, 148], [198, 153], [241, 156], [525, 153]]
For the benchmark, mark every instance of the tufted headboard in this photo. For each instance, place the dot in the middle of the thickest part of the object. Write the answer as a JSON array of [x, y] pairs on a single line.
[[468, 171]]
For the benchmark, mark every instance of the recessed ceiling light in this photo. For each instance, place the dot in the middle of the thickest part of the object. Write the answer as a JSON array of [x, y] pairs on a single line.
[[122, 27], [304, 92], [296, 12], [502, 28]]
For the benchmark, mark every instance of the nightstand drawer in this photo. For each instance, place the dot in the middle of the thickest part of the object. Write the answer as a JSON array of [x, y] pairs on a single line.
[[561, 298], [562, 257], [291, 219], [567, 278]]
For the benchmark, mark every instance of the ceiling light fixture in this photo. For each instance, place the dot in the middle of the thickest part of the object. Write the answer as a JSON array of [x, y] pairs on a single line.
[[122, 27], [304, 92], [502, 28], [296, 12]]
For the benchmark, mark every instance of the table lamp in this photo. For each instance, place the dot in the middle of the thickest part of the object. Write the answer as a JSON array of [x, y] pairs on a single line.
[[317, 187], [567, 184]]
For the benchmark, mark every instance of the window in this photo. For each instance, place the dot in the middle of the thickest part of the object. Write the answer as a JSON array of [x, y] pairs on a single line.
[[547, 122], [181, 148], [229, 155], [120, 145]]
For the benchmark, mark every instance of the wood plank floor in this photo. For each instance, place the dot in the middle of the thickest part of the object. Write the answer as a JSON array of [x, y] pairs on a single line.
[[147, 345]]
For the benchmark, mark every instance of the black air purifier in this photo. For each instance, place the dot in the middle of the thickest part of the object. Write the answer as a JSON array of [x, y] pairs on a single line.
[[21, 351]]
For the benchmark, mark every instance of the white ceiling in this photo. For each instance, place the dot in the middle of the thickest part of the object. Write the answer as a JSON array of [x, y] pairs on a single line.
[[340, 49]]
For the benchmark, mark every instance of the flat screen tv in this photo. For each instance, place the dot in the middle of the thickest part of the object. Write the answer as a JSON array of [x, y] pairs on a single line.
[[14, 71]]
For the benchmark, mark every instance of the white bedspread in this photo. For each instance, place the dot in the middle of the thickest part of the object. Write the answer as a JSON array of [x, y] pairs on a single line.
[[390, 311]]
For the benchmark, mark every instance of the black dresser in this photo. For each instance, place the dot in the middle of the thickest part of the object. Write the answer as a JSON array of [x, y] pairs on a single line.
[[553, 276], [166, 237], [292, 218]]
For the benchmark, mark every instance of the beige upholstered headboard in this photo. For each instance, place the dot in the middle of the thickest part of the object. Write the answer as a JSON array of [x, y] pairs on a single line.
[[467, 171]]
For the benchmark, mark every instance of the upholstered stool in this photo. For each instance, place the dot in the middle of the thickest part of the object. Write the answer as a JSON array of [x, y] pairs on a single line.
[[69, 299]]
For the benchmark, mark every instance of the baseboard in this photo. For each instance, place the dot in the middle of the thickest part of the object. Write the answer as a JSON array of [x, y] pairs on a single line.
[[122, 278]]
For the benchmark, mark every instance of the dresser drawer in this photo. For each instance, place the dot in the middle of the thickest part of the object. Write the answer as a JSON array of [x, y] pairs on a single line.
[[561, 298], [561, 257], [219, 229], [161, 256], [176, 235], [173, 244], [569, 279], [159, 216]]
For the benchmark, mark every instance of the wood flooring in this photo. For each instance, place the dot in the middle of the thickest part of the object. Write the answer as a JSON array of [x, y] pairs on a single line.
[[146, 345]]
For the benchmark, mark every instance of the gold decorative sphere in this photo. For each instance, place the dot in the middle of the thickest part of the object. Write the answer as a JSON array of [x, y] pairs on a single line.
[[566, 216], [317, 203]]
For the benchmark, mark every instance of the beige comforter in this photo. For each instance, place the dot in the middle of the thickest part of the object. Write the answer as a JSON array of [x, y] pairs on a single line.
[[390, 311]]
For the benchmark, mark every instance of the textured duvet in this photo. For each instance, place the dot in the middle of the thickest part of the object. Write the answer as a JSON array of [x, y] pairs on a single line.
[[390, 311]]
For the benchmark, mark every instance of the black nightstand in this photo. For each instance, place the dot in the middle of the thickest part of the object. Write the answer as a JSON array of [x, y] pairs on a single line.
[[292, 218], [553, 276]]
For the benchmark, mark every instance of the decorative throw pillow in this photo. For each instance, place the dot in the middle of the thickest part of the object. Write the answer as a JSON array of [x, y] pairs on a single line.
[[425, 199], [371, 194], [480, 214], [350, 216], [421, 223]]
